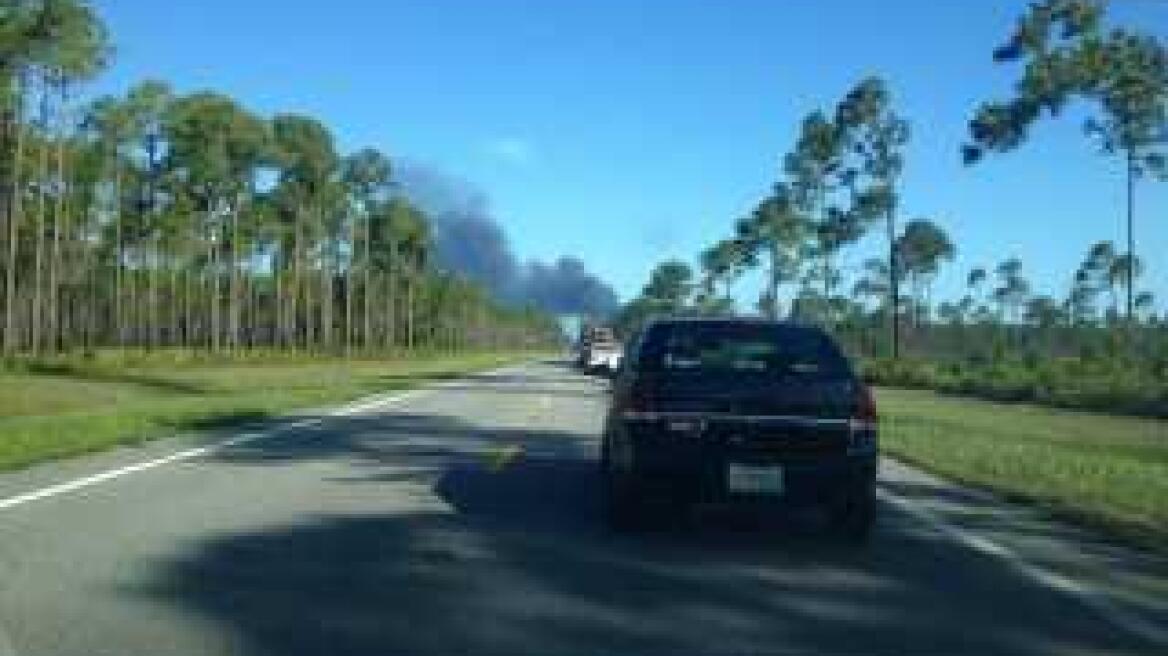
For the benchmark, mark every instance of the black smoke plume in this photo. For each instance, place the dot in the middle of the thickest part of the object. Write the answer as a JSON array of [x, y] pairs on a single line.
[[470, 241]]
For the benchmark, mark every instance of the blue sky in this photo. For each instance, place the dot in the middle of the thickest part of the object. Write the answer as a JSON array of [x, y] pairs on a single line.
[[625, 132]]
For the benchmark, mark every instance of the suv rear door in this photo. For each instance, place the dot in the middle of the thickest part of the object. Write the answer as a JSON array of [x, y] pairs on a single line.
[[755, 388]]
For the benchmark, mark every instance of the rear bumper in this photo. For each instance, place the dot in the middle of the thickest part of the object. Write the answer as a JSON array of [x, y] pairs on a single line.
[[832, 483], [696, 472]]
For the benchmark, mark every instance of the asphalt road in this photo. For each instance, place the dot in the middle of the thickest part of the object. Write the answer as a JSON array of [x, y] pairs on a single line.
[[465, 519]]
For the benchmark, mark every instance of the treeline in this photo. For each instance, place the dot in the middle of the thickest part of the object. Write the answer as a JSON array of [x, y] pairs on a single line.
[[161, 219], [841, 181]]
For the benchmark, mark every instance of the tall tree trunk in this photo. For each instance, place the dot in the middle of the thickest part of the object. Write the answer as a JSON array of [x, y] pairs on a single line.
[[300, 306], [38, 274], [375, 337], [826, 254], [214, 248], [311, 312], [15, 207], [132, 306], [367, 290], [8, 129], [392, 312], [410, 295], [294, 288], [153, 328], [326, 306], [1131, 244], [67, 279], [290, 303], [235, 291], [188, 337], [87, 285], [287, 290], [119, 306], [391, 309], [350, 239], [60, 219], [893, 283], [279, 336], [327, 272], [773, 280], [174, 323], [15, 202]]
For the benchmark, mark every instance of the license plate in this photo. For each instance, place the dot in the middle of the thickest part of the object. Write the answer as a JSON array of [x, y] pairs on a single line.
[[754, 479]]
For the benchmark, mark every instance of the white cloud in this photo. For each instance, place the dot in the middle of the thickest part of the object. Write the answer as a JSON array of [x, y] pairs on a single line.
[[511, 150]]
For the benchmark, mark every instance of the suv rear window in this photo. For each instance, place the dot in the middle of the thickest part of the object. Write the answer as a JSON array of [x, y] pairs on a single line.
[[751, 349]]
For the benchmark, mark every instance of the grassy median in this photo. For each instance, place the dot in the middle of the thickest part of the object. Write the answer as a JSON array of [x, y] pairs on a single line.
[[1106, 471], [57, 409]]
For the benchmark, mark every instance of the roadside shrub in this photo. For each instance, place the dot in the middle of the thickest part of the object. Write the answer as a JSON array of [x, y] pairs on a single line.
[[1111, 385]]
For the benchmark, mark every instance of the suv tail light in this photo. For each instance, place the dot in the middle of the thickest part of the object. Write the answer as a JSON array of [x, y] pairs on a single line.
[[863, 425]]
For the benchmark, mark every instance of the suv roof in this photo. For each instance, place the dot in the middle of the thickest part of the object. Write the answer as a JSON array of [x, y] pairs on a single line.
[[745, 321], [791, 340]]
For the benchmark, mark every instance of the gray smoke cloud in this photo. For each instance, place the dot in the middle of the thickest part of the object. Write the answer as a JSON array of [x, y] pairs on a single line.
[[469, 240], [567, 287]]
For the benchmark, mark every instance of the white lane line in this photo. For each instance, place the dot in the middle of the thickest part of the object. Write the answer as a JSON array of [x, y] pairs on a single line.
[[1087, 594], [363, 405], [188, 454]]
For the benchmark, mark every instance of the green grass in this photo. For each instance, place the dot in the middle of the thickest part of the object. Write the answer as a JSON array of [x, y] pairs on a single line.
[[1102, 470], [64, 408]]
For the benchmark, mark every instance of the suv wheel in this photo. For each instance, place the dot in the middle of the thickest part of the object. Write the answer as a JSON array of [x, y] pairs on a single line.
[[855, 519], [623, 508]]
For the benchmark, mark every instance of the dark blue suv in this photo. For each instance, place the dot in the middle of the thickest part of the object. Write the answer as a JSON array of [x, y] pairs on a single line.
[[737, 410]]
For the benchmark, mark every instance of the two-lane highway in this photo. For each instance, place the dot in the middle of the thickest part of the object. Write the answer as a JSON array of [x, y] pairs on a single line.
[[465, 519]]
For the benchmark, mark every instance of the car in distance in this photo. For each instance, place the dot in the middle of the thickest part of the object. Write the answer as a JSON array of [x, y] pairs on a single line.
[[589, 334], [604, 357], [598, 350], [738, 410]]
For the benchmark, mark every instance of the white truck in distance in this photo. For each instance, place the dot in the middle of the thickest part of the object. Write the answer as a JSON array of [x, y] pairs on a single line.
[[599, 351]]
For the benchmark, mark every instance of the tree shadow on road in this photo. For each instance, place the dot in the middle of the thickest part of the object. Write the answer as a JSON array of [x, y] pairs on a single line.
[[518, 561]]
